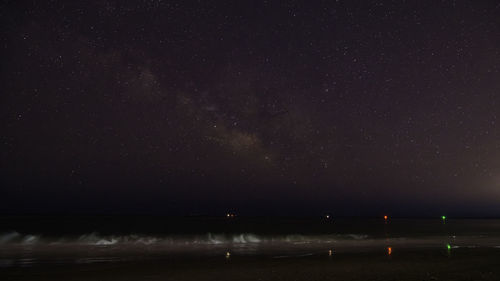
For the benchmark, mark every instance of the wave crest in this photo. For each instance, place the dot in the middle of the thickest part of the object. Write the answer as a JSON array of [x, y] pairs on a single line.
[[97, 239]]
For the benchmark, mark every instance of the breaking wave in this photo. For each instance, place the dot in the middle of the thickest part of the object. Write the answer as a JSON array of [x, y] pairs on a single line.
[[97, 239], [16, 237]]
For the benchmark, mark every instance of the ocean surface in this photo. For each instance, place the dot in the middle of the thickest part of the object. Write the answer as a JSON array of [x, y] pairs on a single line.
[[36, 248]]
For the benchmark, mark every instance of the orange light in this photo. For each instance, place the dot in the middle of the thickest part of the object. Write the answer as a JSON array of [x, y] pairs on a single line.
[[385, 217], [330, 252], [389, 250]]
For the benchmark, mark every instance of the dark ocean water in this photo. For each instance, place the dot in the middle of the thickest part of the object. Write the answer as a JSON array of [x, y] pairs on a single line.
[[240, 248], [37, 240]]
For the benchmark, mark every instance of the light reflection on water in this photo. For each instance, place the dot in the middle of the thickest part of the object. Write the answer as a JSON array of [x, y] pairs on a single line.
[[113, 254], [25, 249]]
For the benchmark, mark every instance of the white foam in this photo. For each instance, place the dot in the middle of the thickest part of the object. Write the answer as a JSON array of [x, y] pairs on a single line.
[[215, 239], [358, 236], [94, 238], [245, 238], [30, 239], [146, 241], [105, 242], [8, 237]]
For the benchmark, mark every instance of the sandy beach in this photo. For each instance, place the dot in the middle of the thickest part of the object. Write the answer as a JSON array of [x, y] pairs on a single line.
[[417, 264]]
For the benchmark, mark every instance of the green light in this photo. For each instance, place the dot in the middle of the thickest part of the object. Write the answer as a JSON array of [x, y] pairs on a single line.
[[448, 246], [443, 217]]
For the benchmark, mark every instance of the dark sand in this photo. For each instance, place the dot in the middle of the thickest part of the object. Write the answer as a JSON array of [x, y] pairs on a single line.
[[418, 264]]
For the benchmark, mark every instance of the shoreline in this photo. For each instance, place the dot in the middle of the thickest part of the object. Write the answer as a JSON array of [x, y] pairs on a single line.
[[414, 264]]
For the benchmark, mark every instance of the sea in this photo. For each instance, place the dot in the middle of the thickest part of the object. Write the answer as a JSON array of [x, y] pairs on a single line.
[[202, 248]]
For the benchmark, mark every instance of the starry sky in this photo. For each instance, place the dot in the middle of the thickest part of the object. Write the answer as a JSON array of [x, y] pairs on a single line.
[[262, 107]]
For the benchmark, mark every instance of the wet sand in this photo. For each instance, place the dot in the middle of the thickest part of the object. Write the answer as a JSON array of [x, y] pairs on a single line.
[[418, 264]]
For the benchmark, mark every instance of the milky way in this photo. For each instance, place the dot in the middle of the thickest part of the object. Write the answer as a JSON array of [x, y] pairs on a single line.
[[351, 107]]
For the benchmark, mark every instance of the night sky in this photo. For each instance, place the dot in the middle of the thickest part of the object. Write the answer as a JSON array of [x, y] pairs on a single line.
[[273, 107]]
